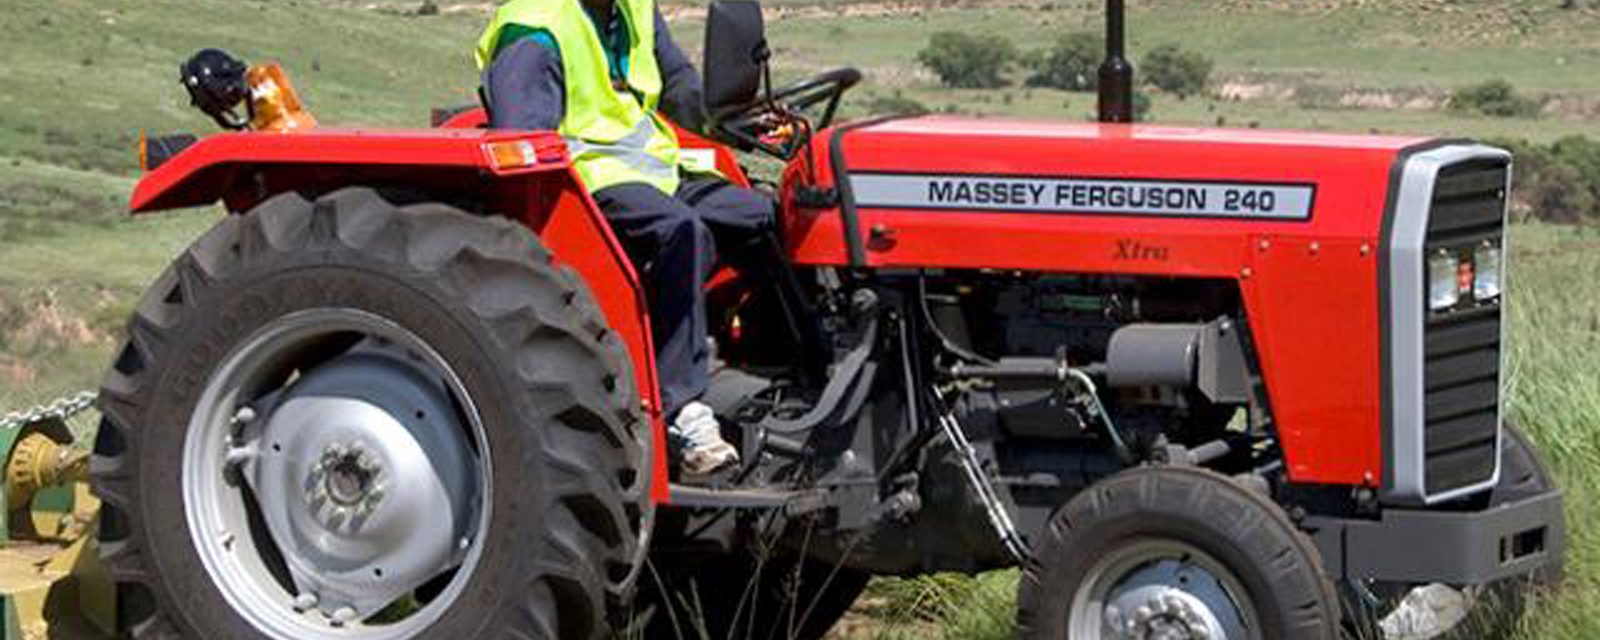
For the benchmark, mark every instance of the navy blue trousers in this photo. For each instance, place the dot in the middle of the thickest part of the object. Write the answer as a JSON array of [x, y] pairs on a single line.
[[676, 243]]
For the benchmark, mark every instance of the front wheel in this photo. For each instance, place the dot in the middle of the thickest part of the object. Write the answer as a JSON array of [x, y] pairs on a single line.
[[369, 417], [1174, 553]]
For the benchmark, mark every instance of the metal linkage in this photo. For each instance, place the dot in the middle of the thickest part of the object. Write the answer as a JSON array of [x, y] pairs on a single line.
[[63, 409], [999, 516]]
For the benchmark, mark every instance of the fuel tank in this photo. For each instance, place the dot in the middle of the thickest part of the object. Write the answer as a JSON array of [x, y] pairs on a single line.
[[1323, 234]]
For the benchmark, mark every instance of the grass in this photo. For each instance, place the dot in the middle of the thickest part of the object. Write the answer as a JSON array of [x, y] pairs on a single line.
[[83, 77]]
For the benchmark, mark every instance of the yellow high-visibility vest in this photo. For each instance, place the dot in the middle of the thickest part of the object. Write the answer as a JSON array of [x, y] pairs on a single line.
[[614, 134]]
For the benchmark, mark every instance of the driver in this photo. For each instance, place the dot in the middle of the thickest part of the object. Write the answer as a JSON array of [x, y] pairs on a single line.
[[603, 73]]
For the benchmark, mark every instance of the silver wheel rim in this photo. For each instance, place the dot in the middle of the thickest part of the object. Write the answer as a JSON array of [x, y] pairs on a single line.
[[227, 527], [1159, 589]]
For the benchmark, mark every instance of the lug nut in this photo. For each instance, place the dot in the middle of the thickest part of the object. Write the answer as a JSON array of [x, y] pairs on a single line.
[[304, 602], [343, 615]]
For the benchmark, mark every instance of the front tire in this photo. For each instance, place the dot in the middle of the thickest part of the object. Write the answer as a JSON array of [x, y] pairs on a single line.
[[1177, 551], [460, 314]]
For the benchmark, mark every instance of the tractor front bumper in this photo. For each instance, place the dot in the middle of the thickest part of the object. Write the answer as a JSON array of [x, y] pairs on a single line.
[[1524, 536]]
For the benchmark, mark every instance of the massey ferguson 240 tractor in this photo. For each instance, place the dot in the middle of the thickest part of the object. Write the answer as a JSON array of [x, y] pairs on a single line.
[[1197, 383]]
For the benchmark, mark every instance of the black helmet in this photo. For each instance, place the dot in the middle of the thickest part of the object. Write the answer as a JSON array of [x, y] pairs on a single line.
[[216, 84]]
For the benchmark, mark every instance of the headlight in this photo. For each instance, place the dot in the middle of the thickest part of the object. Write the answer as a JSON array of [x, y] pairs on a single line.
[[1443, 286], [1486, 283]]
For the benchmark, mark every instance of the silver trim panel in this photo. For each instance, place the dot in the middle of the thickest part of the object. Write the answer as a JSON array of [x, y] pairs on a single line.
[[1407, 317]]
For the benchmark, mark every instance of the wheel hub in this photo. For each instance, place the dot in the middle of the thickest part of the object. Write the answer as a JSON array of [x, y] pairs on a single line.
[[348, 475], [1162, 613], [1161, 590], [365, 483]]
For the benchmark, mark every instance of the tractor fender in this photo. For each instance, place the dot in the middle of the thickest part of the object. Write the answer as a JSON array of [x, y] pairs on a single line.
[[538, 188]]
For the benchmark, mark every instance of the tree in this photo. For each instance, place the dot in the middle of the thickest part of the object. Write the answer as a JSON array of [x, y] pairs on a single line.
[[1073, 64], [1177, 71], [966, 61]]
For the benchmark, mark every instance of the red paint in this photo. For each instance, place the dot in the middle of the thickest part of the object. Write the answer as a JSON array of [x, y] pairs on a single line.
[[1309, 288], [1313, 314]]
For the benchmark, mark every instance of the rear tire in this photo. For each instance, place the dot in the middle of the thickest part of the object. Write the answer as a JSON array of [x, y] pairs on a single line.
[[1162, 548], [563, 444]]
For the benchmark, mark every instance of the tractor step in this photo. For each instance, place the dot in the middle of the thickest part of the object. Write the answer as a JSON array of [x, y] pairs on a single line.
[[793, 502]]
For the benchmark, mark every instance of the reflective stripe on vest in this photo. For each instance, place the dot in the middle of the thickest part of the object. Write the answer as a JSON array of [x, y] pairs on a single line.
[[631, 151], [613, 135]]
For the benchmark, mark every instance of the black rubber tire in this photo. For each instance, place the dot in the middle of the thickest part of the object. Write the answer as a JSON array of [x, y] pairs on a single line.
[[1277, 565], [564, 430], [731, 597]]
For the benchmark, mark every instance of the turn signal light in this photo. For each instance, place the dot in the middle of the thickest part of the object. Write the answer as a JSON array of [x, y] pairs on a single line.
[[514, 154]]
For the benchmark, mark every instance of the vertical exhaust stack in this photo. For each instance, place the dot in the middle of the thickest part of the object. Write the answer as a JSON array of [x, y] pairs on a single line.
[[1116, 73]]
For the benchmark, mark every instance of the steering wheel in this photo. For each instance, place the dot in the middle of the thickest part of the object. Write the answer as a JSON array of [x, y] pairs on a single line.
[[776, 123]]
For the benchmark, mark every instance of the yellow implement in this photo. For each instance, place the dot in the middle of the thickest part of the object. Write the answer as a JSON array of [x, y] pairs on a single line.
[[51, 582]]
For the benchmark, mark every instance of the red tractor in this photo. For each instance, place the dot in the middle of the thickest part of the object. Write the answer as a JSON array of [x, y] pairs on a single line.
[[1196, 383]]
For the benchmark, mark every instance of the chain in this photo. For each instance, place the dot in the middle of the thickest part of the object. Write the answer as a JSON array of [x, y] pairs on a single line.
[[61, 409]]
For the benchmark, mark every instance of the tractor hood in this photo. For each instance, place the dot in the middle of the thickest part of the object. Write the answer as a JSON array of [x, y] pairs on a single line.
[[914, 185], [1322, 235]]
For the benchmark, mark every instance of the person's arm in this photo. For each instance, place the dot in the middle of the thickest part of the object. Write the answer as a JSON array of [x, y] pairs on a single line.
[[682, 98], [525, 86]]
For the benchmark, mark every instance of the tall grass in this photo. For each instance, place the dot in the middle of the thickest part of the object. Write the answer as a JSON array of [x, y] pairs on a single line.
[[1554, 381]]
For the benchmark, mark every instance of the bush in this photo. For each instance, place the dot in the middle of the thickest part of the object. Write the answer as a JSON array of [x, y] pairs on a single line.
[[896, 105], [1073, 64], [1141, 106], [968, 62], [1177, 71], [1583, 155], [1555, 183], [1496, 98]]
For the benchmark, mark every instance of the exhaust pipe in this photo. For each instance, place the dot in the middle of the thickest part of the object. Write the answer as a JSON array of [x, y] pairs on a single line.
[[1116, 73]]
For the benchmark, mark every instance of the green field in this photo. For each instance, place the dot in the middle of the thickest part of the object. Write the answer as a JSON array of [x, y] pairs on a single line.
[[83, 77]]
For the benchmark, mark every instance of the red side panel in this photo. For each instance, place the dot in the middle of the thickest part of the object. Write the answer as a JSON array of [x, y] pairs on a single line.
[[1314, 315], [1310, 285], [244, 168]]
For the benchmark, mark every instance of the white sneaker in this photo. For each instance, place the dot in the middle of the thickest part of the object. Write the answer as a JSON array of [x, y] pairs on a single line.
[[704, 449]]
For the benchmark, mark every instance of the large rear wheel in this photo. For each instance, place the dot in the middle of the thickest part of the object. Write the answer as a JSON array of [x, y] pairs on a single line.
[[373, 417]]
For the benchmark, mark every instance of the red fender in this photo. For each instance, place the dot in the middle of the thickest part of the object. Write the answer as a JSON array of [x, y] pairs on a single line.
[[243, 169]]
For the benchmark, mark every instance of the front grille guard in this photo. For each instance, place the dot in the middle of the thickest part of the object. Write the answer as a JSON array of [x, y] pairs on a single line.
[[1405, 319]]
